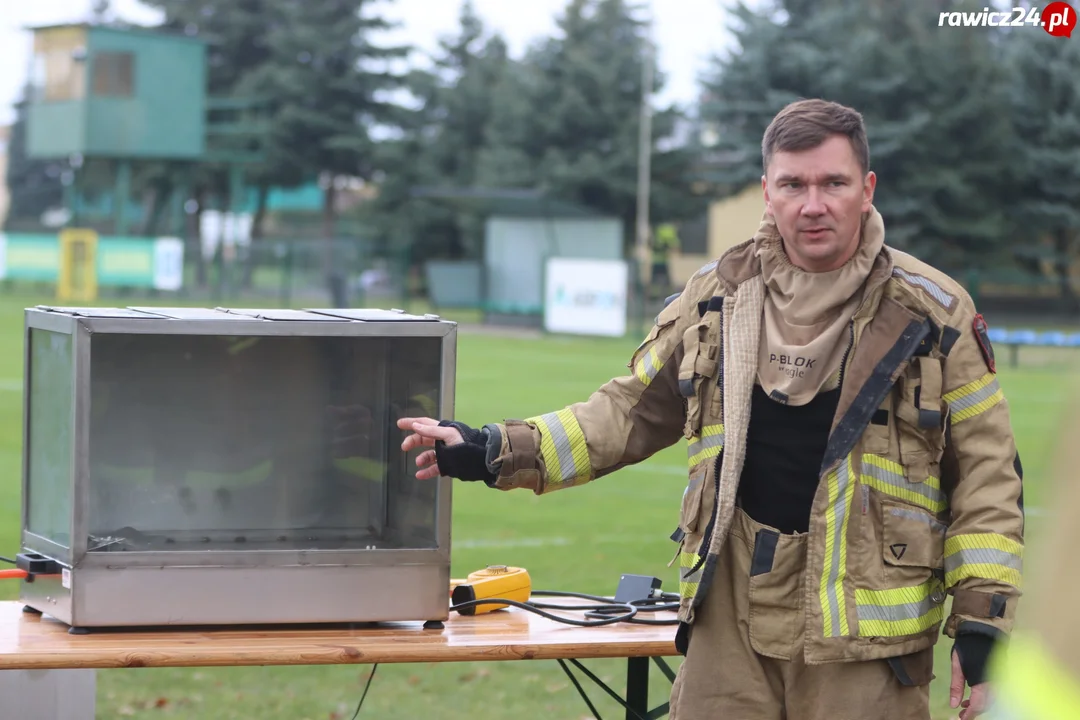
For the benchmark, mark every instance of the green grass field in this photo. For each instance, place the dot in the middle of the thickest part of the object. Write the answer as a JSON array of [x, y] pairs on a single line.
[[579, 540]]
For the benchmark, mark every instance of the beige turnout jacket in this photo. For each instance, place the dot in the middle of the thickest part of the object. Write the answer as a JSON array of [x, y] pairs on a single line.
[[920, 489]]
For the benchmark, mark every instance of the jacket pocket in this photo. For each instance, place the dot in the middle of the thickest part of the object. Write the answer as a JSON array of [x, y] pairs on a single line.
[[913, 543], [690, 513], [697, 371], [920, 421], [909, 599], [776, 594], [698, 502]]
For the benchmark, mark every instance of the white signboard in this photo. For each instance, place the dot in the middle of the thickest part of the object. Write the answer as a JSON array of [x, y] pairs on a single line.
[[168, 263], [585, 297]]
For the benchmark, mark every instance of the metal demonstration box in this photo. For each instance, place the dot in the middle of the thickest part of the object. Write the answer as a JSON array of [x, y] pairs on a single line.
[[186, 466]]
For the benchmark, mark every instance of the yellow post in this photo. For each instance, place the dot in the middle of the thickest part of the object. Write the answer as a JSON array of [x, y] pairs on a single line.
[[77, 280]]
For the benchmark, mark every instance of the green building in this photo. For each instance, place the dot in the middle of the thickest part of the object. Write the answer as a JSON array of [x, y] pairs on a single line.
[[117, 93], [117, 96]]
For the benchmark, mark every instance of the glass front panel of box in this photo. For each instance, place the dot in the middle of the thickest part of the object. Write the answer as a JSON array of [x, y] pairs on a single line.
[[212, 442], [49, 443]]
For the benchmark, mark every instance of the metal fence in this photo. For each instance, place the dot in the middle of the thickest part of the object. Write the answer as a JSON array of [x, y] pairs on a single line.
[[285, 272]]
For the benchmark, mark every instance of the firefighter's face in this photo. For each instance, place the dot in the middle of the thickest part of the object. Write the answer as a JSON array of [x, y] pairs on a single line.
[[817, 198]]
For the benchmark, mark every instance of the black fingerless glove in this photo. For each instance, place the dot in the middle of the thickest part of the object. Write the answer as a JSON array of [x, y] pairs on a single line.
[[973, 649], [467, 460]]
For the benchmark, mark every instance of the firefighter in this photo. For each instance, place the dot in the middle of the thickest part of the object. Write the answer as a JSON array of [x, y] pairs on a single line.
[[851, 462], [665, 241]]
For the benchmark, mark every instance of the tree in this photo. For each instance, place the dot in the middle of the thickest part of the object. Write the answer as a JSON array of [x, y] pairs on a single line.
[[324, 96], [1044, 193], [323, 81], [567, 122], [317, 71], [931, 101], [442, 140], [236, 35]]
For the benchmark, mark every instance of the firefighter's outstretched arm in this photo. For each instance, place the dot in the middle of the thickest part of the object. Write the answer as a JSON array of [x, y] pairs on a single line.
[[625, 421]]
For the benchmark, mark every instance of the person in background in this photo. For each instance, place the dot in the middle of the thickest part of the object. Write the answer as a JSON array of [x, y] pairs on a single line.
[[665, 241]]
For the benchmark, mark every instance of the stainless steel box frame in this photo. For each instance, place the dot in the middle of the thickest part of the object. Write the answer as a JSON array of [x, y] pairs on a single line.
[[229, 586]]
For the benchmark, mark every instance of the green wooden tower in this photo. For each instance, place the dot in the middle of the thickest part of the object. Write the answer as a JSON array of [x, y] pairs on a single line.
[[127, 95]]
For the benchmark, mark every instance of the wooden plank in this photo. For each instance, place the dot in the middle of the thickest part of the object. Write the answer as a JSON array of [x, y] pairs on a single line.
[[29, 641]]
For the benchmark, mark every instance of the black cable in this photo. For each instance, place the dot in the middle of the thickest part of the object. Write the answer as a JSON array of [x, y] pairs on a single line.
[[665, 601], [595, 611], [7, 560], [567, 593], [663, 597], [369, 679], [605, 612], [630, 612]]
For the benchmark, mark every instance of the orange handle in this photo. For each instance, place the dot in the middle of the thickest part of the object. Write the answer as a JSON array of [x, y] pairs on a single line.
[[15, 574]]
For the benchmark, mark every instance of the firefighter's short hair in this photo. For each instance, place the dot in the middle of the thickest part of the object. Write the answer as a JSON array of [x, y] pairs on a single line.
[[805, 124]]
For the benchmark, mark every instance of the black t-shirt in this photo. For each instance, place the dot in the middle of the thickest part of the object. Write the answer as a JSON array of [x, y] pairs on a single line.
[[784, 449]]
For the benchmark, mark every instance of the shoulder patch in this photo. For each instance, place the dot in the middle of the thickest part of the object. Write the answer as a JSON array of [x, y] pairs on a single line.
[[987, 349], [931, 288]]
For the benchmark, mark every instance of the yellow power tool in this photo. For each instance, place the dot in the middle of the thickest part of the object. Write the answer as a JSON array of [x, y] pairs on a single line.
[[494, 581]]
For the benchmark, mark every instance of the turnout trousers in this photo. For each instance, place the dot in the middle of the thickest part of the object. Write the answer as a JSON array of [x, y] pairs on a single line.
[[744, 660]]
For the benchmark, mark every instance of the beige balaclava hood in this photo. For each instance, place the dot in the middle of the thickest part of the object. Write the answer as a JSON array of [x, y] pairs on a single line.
[[806, 314]]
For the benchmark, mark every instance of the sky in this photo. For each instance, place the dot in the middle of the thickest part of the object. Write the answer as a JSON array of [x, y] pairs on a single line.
[[686, 32]]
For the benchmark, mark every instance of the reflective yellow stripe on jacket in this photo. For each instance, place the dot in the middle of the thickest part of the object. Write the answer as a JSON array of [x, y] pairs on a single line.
[[974, 398], [648, 366], [898, 612], [841, 485], [708, 445], [563, 448], [983, 555], [887, 477], [691, 566]]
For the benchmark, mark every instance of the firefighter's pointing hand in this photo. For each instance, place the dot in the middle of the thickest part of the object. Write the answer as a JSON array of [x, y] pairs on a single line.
[[459, 450]]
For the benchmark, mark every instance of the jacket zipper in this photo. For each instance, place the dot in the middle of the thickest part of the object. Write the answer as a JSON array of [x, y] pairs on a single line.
[[720, 338], [723, 401], [847, 352]]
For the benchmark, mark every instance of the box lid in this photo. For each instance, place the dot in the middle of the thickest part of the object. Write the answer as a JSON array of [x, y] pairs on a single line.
[[191, 313], [282, 314], [374, 315], [101, 312]]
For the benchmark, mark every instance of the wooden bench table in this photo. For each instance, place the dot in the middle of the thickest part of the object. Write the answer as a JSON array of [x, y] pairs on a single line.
[[31, 642]]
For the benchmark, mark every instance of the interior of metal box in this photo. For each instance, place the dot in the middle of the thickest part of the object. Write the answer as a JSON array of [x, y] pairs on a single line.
[[215, 442]]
